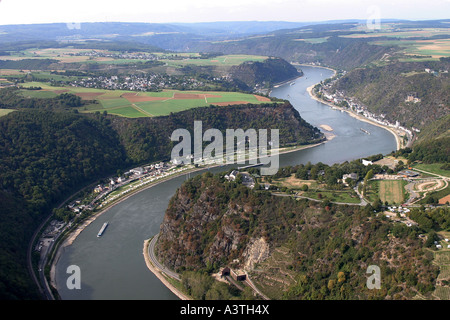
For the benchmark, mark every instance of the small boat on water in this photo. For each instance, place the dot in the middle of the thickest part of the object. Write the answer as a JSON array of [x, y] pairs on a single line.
[[99, 234], [365, 131], [292, 83]]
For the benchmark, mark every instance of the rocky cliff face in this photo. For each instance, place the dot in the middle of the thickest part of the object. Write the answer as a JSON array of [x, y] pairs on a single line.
[[257, 250], [196, 232]]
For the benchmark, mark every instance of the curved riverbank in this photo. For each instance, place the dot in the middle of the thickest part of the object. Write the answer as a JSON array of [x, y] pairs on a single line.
[[314, 66], [76, 232], [158, 274], [357, 116]]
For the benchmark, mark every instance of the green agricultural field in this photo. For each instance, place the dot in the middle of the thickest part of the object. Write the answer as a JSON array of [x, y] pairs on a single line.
[[314, 40], [128, 112], [226, 60], [114, 103], [143, 104], [38, 94], [430, 49], [410, 42], [4, 112]]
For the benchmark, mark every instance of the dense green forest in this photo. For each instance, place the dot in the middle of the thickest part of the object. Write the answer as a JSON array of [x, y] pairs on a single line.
[[27, 64], [210, 222], [146, 138], [264, 73], [43, 157], [47, 153], [10, 98]]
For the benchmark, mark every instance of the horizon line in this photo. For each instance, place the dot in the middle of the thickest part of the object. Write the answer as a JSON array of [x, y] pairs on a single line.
[[385, 20]]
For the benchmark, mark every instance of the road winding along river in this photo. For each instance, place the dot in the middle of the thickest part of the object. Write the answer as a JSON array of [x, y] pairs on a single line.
[[113, 266]]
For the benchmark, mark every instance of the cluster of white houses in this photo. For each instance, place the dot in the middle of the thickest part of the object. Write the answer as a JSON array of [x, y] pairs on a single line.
[[338, 98], [148, 82], [152, 170]]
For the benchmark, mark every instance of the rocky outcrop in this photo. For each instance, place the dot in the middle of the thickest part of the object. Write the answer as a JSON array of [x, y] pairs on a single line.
[[256, 251]]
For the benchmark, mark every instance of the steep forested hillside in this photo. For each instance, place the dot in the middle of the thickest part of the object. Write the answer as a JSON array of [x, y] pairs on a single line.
[[433, 144], [43, 157], [146, 139], [384, 90], [416, 94]]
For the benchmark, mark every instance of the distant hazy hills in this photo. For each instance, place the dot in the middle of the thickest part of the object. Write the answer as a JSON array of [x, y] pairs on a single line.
[[173, 36]]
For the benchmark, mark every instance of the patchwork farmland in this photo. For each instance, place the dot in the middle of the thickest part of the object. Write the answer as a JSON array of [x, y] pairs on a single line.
[[144, 104]]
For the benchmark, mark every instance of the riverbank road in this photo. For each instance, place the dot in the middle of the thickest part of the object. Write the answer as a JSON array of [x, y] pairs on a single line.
[[156, 263]]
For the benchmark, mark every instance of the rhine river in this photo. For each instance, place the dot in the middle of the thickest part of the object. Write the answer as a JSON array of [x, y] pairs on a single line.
[[113, 267]]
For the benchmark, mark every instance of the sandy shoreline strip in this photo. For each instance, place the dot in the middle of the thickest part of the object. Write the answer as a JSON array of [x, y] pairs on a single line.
[[158, 274], [359, 117]]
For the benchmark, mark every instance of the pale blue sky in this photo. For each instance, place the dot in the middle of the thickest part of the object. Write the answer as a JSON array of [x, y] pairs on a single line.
[[44, 11]]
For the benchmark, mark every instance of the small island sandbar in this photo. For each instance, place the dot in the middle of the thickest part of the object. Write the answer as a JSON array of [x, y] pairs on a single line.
[[326, 127]]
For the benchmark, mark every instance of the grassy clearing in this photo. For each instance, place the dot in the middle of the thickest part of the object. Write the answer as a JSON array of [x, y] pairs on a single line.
[[433, 168], [11, 72], [38, 94], [372, 190], [317, 191], [128, 112], [314, 40], [226, 60], [347, 196], [4, 112], [293, 183], [114, 103]]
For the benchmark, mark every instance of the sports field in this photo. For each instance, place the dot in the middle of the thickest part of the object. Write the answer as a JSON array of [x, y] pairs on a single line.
[[144, 104], [391, 191]]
